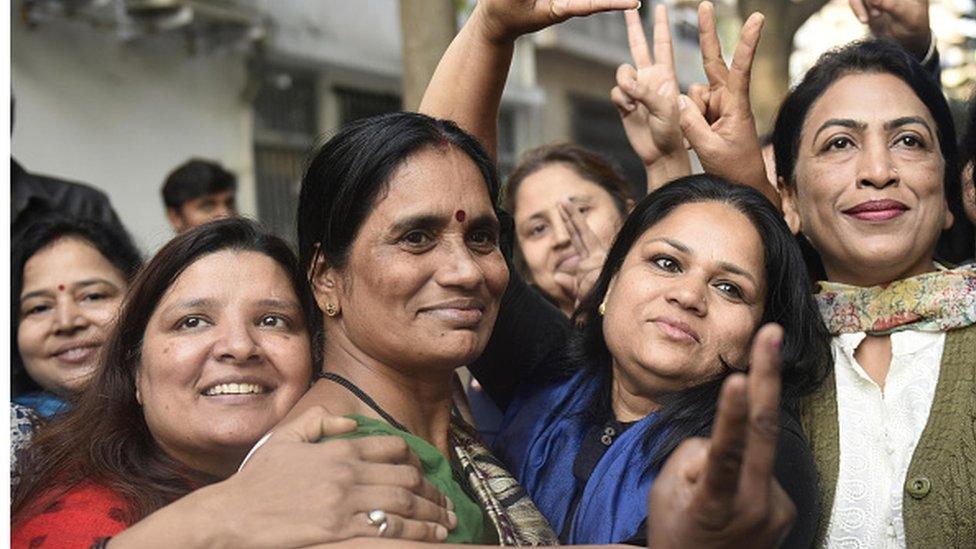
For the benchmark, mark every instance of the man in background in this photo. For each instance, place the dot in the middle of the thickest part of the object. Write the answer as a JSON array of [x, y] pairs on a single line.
[[197, 192]]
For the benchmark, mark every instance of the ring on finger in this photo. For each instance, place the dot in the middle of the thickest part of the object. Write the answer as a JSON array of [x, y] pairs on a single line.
[[377, 517]]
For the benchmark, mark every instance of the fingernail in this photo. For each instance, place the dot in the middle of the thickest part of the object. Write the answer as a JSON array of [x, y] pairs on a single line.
[[450, 504], [440, 533], [452, 518], [682, 102], [639, 4]]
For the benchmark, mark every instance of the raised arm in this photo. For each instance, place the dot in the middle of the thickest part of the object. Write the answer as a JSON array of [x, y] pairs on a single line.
[[718, 121], [646, 96], [467, 85]]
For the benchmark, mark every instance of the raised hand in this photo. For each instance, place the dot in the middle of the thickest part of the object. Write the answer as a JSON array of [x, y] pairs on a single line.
[[506, 20], [718, 122], [720, 493], [591, 250], [904, 21], [646, 96]]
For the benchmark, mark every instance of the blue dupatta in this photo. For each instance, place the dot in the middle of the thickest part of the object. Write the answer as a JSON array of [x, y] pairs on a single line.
[[539, 440]]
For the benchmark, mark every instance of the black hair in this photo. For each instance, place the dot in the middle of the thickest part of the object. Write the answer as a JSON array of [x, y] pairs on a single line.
[[195, 178], [871, 56], [347, 173], [104, 436], [114, 245], [789, 302]]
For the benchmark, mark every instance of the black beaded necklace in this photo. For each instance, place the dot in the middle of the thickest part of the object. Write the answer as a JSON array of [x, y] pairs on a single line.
[[361, 395]]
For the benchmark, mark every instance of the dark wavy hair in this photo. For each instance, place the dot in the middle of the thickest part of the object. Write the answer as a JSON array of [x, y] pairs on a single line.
[[114, 245], [788, 302], [872, 57], [104, 437], [346, 174]]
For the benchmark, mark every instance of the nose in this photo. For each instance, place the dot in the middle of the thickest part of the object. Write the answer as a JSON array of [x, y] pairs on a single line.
[[689, 294], [236, 345], [560, 235], [876, 167], [69, 318], [459, 268]]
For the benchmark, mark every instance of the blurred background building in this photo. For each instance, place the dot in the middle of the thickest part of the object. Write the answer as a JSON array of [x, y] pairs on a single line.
[[116, 93]]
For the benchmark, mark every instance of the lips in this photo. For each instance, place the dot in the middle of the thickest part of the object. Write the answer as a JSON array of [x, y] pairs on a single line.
[[568, 264], [77, 353], [676, 330], [236, 387], [459, 313], [877, 210]]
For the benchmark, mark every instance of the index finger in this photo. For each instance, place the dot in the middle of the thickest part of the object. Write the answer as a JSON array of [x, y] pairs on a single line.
[[384, 449], [716, 497], [745, 51], [636, 40], [587, 238], [860, 11], [764, 394], [663, 51], [561, 10], [711, 49]]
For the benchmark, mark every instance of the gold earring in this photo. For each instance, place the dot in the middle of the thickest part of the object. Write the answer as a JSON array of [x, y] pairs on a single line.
[[602, 309], [331, 310]]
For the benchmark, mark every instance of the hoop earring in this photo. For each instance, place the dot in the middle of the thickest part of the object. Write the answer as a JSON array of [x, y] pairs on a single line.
[[331, 310]]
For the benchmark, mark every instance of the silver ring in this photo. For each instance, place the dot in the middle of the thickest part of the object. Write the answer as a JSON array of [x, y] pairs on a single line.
[[377, 517]]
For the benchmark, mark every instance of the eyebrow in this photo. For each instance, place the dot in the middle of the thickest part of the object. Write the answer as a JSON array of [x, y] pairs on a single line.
[[76, 286], [433, 222], [906, 120], [278, 303], [724, 265], [842, 122], [578, 199]]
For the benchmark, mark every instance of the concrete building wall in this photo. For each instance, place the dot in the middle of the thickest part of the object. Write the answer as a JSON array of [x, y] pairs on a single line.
[[121, 116]]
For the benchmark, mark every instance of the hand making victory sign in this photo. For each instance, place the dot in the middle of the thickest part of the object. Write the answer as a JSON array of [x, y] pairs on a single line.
[[717, 121], [646, 96]]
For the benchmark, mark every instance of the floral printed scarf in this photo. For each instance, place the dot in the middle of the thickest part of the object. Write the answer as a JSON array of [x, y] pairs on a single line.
[[938, 301]]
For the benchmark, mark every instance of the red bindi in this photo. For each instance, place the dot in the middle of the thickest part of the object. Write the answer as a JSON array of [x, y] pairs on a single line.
[[60, 287], [460, 215]]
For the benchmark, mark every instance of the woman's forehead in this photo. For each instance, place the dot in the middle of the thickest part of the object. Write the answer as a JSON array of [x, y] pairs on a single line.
[[870, 98]]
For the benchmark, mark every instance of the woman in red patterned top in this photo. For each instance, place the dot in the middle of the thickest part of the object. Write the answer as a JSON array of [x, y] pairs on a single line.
[[211, 351]]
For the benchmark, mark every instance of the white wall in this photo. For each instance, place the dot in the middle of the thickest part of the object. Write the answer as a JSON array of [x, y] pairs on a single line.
[[121, 116]]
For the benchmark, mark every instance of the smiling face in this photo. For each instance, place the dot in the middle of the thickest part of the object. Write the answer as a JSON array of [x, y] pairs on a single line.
[[688, 297], [542, 235], [71, 296], [225, 356], [868, 190], [421, 286]]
